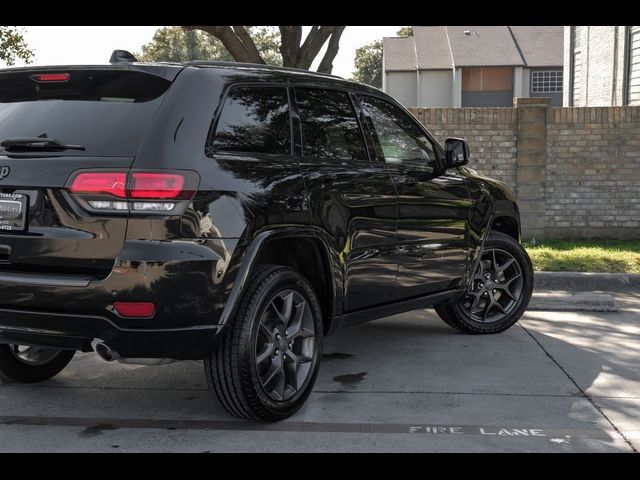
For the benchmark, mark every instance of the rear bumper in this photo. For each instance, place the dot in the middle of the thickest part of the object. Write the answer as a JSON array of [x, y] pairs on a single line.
[[182, 278], [76, 332]]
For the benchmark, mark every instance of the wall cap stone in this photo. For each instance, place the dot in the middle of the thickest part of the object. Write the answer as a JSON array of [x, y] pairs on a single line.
[[531, 101]]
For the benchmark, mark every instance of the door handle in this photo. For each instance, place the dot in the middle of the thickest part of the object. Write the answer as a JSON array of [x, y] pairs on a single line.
[[406, 180], [329, 179]]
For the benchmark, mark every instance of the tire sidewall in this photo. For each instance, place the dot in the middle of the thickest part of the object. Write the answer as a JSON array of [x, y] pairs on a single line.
[[285, 280], [13, 370]]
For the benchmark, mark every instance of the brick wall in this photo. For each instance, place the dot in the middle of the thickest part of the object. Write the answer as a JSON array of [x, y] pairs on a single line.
[[593, 172], [575, 171], [491, 133]]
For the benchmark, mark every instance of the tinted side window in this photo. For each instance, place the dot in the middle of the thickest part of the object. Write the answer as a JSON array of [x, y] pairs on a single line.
[[329, 125], [399, 137], [254, 119]]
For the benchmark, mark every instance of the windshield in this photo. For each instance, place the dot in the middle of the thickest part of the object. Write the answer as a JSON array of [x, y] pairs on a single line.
[[106, 111]]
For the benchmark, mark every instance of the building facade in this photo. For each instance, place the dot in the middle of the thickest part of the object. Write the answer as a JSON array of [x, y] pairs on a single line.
[[602, 65], [474, 66]]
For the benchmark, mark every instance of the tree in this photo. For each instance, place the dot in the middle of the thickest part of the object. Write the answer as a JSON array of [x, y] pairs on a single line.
[[242, 44], [405, 32], [368, 60], [175, 44], [368, 63], [13, 46]]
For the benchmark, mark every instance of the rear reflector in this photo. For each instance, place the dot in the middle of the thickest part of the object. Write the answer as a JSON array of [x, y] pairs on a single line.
[[109, 183], [135, 309], [51, 77], [156, 185]]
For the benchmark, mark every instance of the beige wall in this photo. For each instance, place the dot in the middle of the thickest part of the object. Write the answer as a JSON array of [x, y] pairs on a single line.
[[402, 87], [603, 65], [436, 88]]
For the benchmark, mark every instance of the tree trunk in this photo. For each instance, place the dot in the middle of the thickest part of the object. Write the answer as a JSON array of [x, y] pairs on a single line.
[[243, 49], [326, 65]]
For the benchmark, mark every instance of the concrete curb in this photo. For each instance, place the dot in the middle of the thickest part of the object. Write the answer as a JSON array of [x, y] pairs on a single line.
[[585, 301], [582, 281]]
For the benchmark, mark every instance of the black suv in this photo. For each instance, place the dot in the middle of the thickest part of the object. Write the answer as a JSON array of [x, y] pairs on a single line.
[[235, 214]]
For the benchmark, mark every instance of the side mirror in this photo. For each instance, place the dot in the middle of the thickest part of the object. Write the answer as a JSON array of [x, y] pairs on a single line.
[[456, 152]]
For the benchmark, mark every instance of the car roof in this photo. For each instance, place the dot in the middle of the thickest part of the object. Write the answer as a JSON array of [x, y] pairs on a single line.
[[169, 70]]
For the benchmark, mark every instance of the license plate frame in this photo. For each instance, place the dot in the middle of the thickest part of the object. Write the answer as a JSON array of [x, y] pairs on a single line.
[[13, 212]]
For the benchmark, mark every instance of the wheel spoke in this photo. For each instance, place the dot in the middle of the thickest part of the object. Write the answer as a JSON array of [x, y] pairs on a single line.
[[296, 322], [508, 283], [476, 300], [285, 314], [264, 330], [298, 358], [274, 372], [506, 290], [266, 353], [507, 264]]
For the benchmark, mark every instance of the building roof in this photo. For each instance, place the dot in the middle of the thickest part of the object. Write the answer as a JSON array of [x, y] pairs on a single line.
[[540, 46], [443, 47], [399, 53]]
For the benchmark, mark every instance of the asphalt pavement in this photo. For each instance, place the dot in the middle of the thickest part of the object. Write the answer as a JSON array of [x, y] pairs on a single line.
[[555, 382]]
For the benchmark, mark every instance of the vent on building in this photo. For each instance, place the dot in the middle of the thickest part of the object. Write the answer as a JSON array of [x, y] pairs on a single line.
[[634, 66], [577, 78]]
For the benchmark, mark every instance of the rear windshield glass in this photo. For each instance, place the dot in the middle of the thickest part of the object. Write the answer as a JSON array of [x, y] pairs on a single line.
[[107, 112]]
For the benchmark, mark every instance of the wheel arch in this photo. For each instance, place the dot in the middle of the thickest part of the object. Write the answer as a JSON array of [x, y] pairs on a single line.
[[301, 249]]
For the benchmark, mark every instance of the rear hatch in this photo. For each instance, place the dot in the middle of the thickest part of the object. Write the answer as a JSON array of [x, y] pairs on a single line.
[[52, 124]]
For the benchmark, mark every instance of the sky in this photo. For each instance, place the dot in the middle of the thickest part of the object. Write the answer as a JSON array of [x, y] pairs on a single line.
[[60, 45]]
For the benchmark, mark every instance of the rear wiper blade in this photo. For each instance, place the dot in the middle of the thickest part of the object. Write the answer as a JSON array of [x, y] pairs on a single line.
[[37, 143]]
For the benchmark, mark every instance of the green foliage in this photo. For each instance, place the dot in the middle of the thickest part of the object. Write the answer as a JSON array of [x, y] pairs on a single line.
[[405, 32], [368, 64], [586, 256], [13, 46], [175, 44]]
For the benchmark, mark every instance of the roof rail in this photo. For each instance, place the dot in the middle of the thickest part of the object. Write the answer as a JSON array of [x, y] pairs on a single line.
[[216, 63]]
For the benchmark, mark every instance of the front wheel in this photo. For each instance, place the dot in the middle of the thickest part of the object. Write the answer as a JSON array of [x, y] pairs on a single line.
[[265, 366], [499, 292], [31, 364]]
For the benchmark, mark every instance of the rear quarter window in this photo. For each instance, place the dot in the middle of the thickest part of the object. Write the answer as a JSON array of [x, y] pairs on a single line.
[[253, 119]]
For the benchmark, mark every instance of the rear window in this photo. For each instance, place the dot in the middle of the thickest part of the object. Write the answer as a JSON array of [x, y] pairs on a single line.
[[108, 112]]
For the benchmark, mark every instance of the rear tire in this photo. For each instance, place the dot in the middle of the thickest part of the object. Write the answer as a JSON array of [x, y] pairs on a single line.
[[31, 364], [265, 365], [500, 291]]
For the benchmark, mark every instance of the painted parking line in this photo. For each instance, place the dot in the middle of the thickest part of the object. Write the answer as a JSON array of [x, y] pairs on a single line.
[[97, 425]]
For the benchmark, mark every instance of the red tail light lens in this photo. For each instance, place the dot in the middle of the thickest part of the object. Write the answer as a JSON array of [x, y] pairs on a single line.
[[108, 183], [51, 77], [156, 185], [135, 309]]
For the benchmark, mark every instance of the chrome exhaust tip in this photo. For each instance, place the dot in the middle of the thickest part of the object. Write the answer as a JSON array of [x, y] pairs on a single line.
[[103, 351]]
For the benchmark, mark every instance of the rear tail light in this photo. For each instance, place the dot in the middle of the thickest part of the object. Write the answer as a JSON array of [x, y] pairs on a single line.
[[133, 192], [156, 185], [109, 183], [135, 309]]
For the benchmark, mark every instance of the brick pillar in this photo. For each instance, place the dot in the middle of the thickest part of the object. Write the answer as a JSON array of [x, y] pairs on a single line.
[[530, 165]]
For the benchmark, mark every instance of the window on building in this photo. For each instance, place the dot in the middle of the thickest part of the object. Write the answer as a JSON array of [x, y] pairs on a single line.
[[254, 119], [546, 81], [329, 125]]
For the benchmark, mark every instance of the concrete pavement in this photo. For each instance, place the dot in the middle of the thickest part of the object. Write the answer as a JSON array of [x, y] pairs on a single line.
[[556, 382]]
